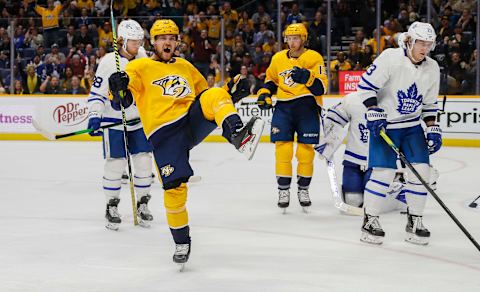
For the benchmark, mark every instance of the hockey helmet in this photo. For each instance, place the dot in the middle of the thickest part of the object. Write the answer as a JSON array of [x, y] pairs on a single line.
[[163, 27], [296, 29], [130, 30], [422, 31]]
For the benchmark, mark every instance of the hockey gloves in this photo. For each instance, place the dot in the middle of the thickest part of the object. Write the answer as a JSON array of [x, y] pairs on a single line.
[[376, 120], [238, 87], [118, 84], [94, 121], [264, 100], [434, 138], [300, 75]]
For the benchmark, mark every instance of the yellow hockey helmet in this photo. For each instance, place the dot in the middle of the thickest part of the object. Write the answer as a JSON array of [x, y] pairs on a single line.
[[163, 27], [296, 29]]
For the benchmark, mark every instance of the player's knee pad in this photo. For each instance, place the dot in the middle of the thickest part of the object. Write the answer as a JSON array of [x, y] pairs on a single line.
[[174, 201], [380, 181], [283, 158], [423, 169], [142, 162], [305, 155], [216, 104], [353, 199], [114, 167], [415, 192]]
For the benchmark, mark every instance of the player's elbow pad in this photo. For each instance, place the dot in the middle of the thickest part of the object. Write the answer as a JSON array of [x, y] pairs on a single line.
[[126, 101], [317, 88]]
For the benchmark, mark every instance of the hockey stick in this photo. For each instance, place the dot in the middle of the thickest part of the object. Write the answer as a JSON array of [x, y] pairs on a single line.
[[52, 137], [124, 119], [337, 197], [427, 186]]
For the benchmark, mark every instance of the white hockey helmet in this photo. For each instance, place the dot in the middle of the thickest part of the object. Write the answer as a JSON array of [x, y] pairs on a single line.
[[130, 30], [422, 31]]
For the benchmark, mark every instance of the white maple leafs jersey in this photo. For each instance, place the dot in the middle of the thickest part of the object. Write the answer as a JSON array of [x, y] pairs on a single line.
[[98, 100], [407, 92], [349, 111]]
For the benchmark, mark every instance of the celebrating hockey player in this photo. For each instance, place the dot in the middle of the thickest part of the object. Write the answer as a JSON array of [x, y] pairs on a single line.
[[399, 89], [298, 77], [131, 36], [178, 111]]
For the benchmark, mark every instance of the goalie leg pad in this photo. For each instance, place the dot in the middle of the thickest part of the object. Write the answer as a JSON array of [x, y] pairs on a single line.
[[376, 189], [112, 177], [415, 192]]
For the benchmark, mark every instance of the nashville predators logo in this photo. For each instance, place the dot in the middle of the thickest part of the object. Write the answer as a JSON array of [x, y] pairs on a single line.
[[174, 86], [167, 170], [275, 130], [287, 77]]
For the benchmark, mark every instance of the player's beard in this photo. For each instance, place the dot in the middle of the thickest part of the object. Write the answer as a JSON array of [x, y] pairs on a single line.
[[165, 54]]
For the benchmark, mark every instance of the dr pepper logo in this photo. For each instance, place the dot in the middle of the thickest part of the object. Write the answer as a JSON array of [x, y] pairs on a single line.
[[70, 114]]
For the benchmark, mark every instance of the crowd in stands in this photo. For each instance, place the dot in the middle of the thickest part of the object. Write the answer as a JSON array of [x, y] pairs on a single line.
[[58, 44]]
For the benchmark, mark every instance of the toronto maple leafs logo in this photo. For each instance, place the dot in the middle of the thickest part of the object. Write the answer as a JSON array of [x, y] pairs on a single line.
[[174, 85], [363, 133], [409, 102], [287, 77]]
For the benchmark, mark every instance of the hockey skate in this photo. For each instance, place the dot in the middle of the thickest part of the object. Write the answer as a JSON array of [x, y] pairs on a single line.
[[143, 213], [416, 233], [246, 138], [304, 199], [283, 200], [181, 255], [112, 215], [372, 232]]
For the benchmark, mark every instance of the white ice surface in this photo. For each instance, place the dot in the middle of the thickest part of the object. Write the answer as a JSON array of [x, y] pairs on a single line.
[[52, 234]]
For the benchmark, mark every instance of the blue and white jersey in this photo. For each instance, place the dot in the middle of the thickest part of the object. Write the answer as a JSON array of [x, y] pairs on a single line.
[[98, 100], [349, 111], [407, 92]]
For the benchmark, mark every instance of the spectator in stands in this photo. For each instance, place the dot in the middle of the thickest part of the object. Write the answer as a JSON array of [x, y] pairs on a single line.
[[59, 57], [18, 87], [211, 80], [342, 14], [245, 21], [262, 35], [339, 64], [214, 27], [88, 51], [468, 85], [458, 43], [105, 36], [101, 6], [177, 12], [76, 88], [373, 41], [271, 46], [51, 85], [456, 69], [452, 18], [31, 82], [444, 30], [4, 60], [85, 4], [67, 79], [2, 88], [460, 5], [229, 15], [19, 38], [355, 56], [84, 19], [466, 21], [82, 39], [33, 39], [76, 62], [229, 40], [101, 52], [260, 16], [317, 34], [50, 20], [87, 81], [49, 68], [360, 39], [67, 39], [202, 51], [294, 16], [403, 19]]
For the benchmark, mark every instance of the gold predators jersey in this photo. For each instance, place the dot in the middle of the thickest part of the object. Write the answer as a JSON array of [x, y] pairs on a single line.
[[163, 92], [280, 70]]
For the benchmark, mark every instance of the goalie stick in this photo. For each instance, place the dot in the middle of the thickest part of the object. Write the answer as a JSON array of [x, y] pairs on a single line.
[[52, 137]]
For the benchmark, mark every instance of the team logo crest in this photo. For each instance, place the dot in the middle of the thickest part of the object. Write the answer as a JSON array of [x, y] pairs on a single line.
[[363, 133], [410, 101], [167, 170], [287, 77], [275, 130], [174, 85]]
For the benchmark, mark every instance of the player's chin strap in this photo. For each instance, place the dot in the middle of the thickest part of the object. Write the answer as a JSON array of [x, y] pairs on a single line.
[[410, 54]]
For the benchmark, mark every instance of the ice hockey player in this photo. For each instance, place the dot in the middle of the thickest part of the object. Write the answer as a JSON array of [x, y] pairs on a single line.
[[350, 111], [399, 90], [130, 36], [297, 75], [178, 111]]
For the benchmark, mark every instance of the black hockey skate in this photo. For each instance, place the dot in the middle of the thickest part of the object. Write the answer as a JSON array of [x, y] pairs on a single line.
[[372, 232], [143, 213], [283, 199], [304, 199], [181, 255], [112, 215], [416, 233], [246, 138]]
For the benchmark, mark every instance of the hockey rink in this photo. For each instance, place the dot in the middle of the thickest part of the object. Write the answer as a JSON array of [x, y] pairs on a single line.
[[52, 234]]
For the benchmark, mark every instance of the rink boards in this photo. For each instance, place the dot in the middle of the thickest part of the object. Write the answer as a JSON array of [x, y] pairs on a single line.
[[460, 119]]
